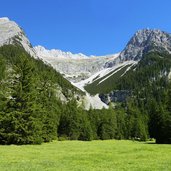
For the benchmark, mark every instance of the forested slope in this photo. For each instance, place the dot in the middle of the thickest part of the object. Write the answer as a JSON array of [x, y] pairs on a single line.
[[31, 97]]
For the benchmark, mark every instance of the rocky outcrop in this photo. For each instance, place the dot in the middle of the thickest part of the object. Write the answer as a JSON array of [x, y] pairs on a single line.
[[142, 42], [115, 96], [145, 41], [11, 33]]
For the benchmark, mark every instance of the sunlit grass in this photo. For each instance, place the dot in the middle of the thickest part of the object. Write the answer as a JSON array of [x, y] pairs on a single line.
[[86, 156]]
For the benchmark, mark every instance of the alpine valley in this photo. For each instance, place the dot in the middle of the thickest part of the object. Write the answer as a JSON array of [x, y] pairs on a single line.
[[49, 94]]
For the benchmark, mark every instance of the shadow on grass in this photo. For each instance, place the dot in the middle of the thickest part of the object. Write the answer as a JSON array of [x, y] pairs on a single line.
[[150, 142]]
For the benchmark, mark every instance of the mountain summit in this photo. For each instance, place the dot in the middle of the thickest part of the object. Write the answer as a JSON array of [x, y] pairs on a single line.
[[144, 41], [11, 33]]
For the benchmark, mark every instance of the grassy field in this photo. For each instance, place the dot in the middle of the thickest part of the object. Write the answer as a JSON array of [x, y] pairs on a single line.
[[86, 156]]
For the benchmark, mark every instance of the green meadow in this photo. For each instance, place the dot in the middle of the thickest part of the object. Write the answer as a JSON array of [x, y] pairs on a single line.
[[86, 156]]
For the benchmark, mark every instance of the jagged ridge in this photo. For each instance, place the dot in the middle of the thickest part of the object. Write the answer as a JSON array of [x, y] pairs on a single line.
[[11, 33]]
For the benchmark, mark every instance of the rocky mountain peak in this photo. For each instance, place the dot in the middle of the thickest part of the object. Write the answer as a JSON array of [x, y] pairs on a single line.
[[145, 41], [11, 33], [148, 36], [4, 19]]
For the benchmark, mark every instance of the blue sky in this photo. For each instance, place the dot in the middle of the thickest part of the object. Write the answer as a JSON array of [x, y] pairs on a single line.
[[93, 27]]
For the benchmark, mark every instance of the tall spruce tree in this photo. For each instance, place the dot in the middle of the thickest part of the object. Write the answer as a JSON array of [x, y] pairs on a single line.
[[21, 120]]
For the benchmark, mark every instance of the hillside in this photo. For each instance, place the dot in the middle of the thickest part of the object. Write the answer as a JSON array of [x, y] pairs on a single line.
[[152, 66], [142, 43], [33, 94], [106, 83], [131, 91]]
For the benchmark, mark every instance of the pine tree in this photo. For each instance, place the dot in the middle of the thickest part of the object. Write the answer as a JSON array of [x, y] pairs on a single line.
[[21, 122]]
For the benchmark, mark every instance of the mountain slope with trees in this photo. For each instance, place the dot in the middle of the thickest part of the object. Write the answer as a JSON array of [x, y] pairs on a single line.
[[38, 105], [149, 98], [31, 111], [30, 97]]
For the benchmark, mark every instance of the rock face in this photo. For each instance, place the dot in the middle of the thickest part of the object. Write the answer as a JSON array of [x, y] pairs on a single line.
[[143, 42], [11, 33], [55, 53], [115, 96], [75, 67]]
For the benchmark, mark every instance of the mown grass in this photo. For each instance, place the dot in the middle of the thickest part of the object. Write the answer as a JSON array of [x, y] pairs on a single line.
[[107, 155]]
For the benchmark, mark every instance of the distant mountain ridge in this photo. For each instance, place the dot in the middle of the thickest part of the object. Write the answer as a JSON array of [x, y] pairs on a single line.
[[82, 70], [74, 67], [12, 34], [55, 53]]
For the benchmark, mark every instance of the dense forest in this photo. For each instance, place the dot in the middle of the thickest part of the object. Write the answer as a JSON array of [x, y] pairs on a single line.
[[31, 111], [150, 88]]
